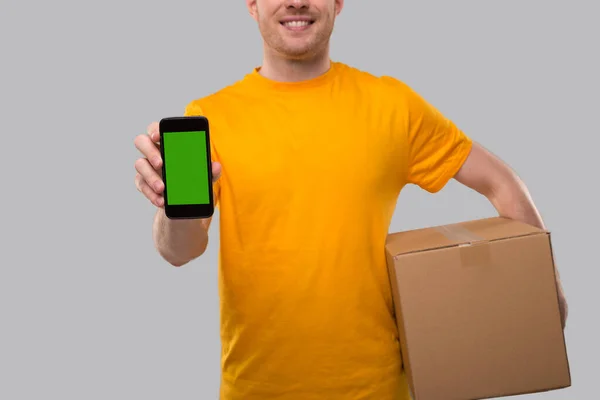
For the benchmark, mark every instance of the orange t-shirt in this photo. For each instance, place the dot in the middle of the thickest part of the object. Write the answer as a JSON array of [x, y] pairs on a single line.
[[311, 174]]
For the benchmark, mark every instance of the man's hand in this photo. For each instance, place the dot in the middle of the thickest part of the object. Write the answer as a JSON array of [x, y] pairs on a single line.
[[562, 302], [177, 241], [148, 179]]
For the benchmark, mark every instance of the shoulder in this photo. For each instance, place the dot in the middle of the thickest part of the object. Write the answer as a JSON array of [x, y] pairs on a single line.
[[215, 100], [387, 87], [363, 76], [386, 92]]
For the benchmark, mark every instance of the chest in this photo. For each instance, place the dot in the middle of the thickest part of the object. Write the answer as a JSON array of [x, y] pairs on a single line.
[[284, 150]]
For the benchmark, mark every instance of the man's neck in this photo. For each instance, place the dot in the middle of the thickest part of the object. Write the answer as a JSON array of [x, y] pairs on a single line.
[[280, 69]]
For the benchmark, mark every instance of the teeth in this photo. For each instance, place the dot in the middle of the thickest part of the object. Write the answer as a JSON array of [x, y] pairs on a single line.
[[296, 24]]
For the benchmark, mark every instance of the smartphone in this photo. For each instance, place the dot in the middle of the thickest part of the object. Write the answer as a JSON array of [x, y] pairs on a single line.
[[187, 167]]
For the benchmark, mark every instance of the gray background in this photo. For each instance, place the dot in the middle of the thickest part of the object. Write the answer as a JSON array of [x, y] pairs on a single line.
[[90, 311]]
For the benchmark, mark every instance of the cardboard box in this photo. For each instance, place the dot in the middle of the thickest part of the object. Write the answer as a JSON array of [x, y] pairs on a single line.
[[477, 310]]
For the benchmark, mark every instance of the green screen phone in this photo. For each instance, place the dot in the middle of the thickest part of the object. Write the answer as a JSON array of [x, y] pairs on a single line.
[[187, 169]]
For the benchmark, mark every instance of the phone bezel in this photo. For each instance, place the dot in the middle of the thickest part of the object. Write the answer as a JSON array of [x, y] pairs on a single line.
[[183, 124]]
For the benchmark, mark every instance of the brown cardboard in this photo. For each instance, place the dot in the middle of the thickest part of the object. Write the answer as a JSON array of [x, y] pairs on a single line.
[[477, 310]]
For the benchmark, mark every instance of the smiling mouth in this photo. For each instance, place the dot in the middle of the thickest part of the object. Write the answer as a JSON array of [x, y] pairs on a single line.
[[297, 24]]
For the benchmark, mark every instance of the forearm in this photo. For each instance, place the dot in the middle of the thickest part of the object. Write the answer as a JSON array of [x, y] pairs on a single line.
[[488, 175], [179, 241], [513, 200]]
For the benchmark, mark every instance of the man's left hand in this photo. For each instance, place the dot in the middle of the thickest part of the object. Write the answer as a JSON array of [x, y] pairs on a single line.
[[562, 303]]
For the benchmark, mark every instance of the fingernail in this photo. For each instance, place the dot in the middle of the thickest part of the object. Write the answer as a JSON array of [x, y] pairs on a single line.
[[160, 201], [156, 162], [158, 186]]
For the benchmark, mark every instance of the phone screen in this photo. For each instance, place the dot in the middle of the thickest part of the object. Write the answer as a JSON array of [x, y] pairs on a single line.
[[186, 167]]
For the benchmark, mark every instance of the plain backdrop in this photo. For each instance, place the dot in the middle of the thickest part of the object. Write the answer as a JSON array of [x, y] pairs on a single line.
[[88, 310]]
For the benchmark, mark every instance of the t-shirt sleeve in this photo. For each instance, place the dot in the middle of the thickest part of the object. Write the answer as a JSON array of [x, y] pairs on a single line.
[[435, 147], [195, 109]]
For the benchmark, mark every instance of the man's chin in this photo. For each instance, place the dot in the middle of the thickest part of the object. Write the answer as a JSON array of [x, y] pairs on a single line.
[[297, 53]]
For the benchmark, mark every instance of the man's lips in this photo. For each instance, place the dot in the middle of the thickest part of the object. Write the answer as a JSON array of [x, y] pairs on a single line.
[[296, 22]]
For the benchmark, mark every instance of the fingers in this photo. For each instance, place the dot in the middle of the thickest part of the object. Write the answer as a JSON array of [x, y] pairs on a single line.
[[149, 174], [149, 149], [146, 190], [153, 132], [148, 177]]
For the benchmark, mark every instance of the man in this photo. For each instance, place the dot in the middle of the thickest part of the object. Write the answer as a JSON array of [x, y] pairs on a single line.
[[310, 156]]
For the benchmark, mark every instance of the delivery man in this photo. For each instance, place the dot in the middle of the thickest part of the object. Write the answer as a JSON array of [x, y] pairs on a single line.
[[310, 155]]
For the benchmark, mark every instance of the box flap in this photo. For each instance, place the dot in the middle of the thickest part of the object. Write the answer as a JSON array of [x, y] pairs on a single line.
[[482, 230]]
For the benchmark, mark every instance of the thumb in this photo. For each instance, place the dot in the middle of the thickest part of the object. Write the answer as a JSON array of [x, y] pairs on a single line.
[[216, 170]]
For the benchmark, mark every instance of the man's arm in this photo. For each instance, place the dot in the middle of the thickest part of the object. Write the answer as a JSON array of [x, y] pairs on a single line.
[[437, 150], [488, 175], [177, 241], [181, 241]]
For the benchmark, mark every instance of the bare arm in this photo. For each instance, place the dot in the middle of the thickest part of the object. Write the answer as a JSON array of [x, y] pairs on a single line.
[[179, 241], [491, 177]]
